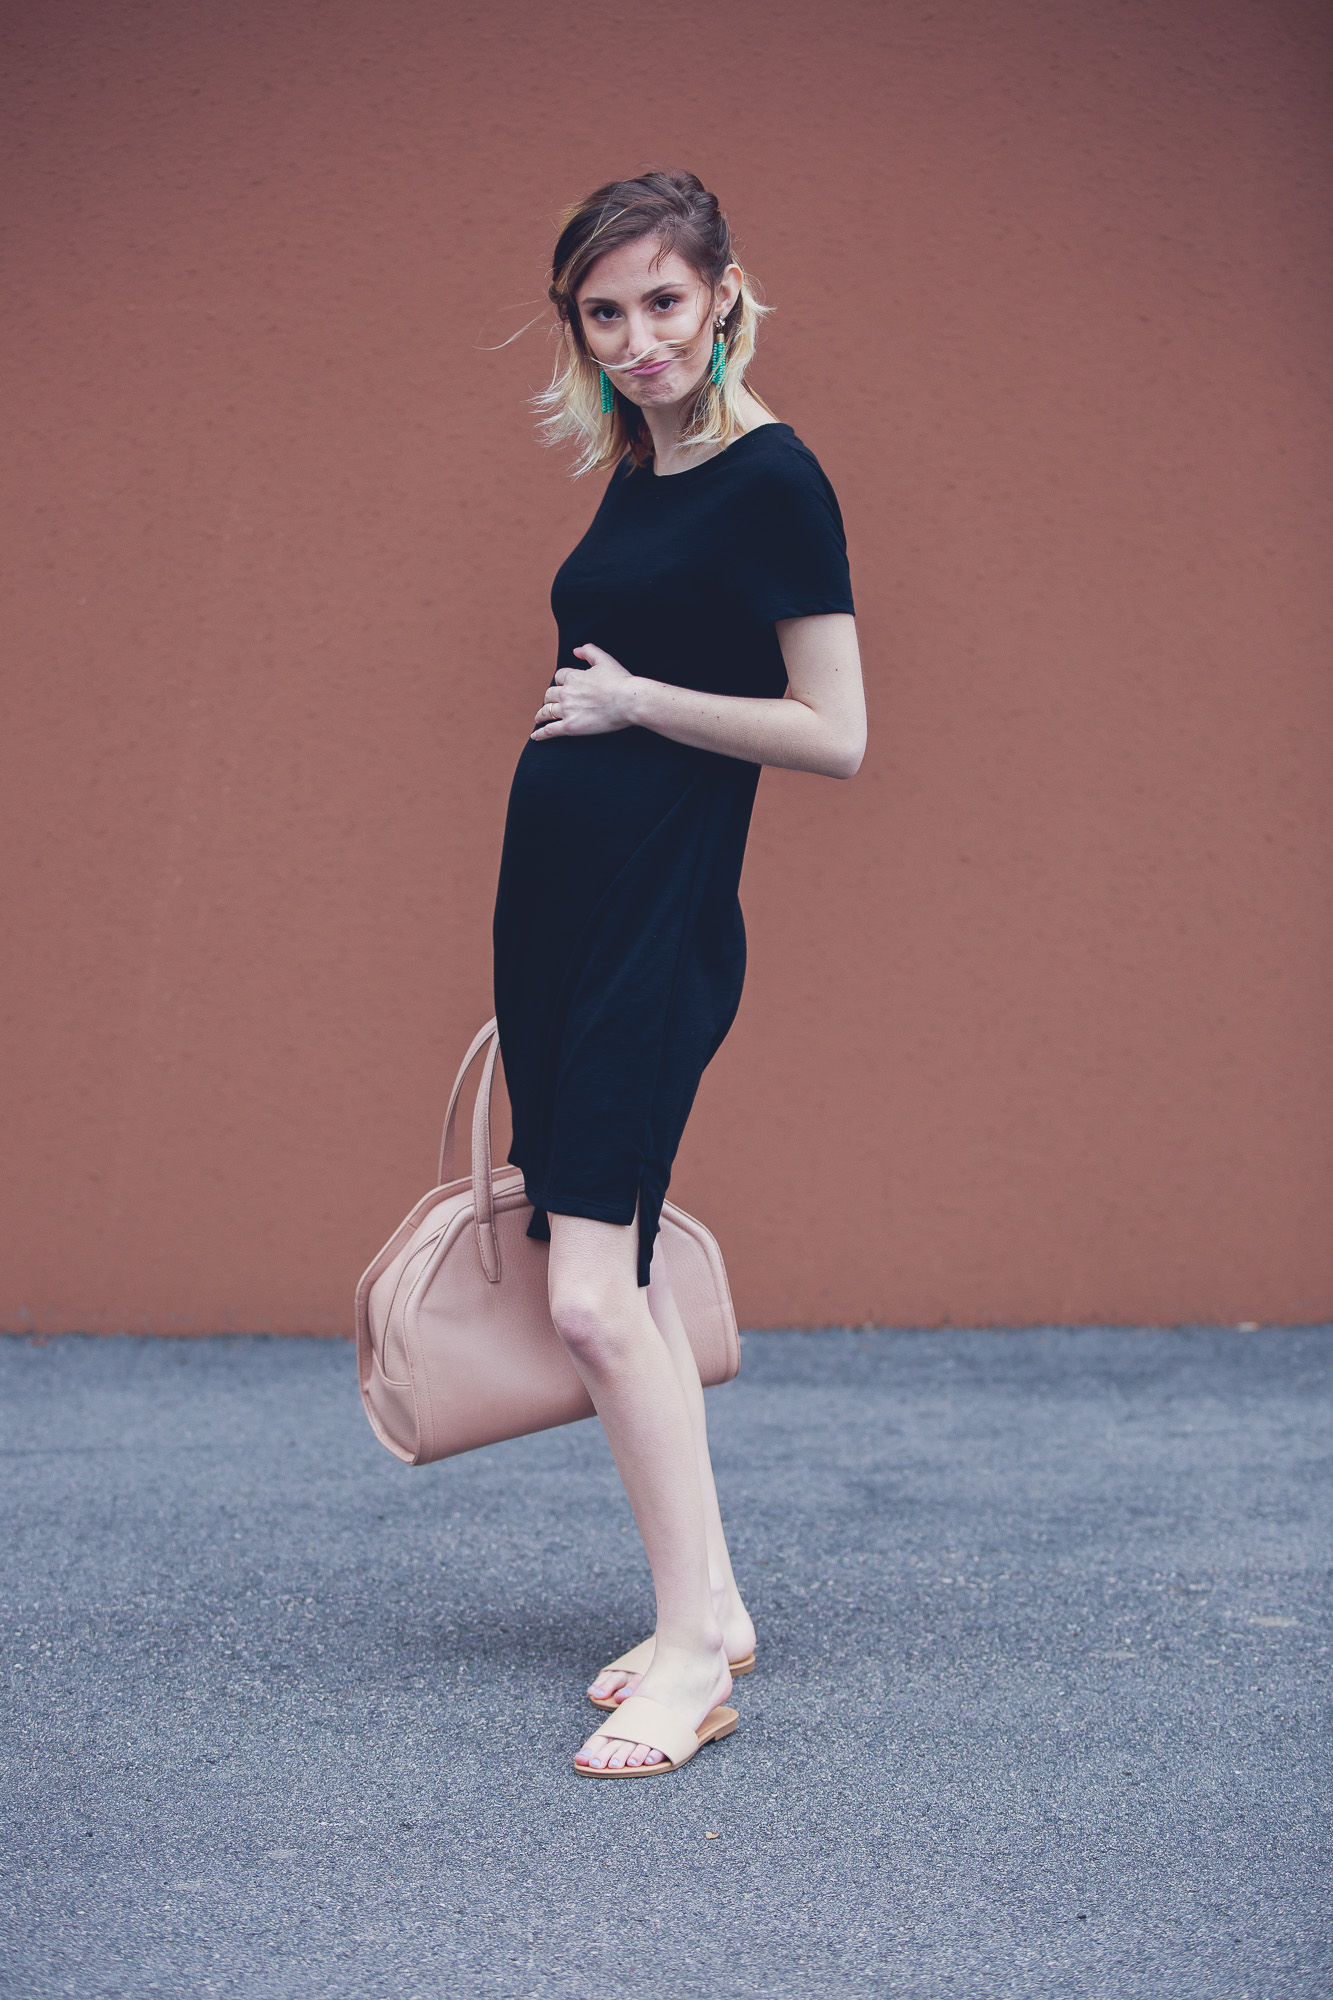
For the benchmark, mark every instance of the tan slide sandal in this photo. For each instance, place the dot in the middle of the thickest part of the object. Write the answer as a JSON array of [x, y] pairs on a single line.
[[636, 1662], [642, 1720]]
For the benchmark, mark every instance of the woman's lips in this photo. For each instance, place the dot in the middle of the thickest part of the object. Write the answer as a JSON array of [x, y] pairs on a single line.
[[651, 367]]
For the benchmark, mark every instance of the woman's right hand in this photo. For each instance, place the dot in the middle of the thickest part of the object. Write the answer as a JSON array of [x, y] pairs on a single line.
[[588, 701]]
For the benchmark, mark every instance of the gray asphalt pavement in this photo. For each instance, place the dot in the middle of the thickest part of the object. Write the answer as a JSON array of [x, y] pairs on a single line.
[[1040, 1708]]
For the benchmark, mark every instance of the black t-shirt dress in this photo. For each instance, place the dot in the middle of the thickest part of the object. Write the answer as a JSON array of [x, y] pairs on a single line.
[[619, 943]]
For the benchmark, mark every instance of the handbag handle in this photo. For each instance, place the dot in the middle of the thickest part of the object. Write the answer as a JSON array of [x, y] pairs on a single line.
[[479, 1041], [483, 1194]]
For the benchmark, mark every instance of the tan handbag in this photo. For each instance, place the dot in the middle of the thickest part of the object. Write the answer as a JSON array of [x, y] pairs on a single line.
[[454, 1342]]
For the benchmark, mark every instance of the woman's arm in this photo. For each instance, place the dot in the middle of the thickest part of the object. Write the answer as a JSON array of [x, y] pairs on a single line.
[[819, 725]]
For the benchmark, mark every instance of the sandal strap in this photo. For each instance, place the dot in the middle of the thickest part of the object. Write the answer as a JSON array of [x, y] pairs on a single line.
[[643, 1720], [633, 1662]]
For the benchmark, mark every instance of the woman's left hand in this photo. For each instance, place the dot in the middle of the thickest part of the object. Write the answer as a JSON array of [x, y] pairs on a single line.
[[587, 701]]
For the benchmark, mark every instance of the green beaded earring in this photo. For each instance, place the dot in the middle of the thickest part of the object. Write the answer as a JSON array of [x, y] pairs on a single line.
[[719, 358], [608, 395]]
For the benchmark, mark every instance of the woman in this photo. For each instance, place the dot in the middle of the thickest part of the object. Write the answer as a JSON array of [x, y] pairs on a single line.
[[705, 629]]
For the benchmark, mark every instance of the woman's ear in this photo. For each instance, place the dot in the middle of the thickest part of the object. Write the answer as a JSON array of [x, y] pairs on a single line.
[[727, 291]]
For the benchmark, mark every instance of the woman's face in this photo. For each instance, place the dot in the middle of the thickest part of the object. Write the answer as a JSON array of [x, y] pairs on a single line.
[[648, 319]]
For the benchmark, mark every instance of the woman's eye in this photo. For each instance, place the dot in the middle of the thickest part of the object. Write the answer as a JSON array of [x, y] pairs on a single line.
[[667, 303], [603, 313]]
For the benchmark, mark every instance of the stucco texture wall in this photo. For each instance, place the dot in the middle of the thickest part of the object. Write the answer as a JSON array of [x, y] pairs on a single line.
[[1037, 1019]]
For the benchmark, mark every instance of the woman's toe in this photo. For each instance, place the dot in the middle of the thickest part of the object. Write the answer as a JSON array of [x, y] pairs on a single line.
[[593, 1752]]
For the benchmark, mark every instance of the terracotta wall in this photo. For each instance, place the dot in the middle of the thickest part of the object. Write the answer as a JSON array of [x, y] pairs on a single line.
[[1038, 1020]]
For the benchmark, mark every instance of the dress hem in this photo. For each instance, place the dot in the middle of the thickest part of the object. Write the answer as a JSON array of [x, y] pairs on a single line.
[[544, 1207], [592, 1211]]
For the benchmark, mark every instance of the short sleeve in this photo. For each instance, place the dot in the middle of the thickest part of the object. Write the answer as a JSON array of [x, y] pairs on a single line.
[[793, 560]]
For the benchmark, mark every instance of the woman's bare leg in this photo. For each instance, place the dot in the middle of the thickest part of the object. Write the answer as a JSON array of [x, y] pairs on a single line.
[[624, 1362], [738, 1635]]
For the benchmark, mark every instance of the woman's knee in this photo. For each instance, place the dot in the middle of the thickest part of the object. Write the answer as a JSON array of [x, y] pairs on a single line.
[[591, 1323]]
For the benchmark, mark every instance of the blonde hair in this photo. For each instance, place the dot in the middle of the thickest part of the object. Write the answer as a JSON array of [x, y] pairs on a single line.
[[678, 211]]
